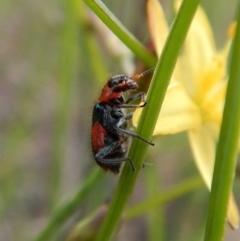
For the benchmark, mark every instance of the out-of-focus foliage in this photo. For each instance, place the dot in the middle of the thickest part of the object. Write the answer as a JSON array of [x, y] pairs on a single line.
[[49, 82]]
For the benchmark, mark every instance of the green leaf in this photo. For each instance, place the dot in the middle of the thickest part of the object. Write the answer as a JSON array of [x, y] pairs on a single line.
[[65, 211], [121, 32], [227, 149]]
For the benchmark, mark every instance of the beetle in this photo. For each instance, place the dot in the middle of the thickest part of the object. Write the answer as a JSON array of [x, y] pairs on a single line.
[[109, 123]]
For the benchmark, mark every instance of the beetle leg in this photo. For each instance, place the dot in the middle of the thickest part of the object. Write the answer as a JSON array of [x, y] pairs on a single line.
[[115, 161], [135, 97], [129, 116], [129, 133], [111, 149], [132, 98]]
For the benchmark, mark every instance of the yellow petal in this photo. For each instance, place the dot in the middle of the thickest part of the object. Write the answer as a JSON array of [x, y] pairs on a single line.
[[203, 143], [199, 48], [178, 112], [159, 29], [211, 93], [157, 24]]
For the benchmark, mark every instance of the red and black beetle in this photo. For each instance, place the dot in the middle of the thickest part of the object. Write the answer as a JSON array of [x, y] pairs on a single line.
[[109, 134]]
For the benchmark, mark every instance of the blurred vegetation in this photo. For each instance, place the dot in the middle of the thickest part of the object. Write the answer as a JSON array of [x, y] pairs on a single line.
[[55, 56]]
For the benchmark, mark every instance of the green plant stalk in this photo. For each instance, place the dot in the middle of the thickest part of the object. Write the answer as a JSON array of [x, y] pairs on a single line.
[[155, 217], [227, 149], [108, 18], [67, 65], [158, 87], [89, 48], [164, 197], [66, 210]]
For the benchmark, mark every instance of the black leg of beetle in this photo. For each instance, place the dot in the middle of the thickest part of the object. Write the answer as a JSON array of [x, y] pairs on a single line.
[[133, 106], [132, 98], [135, 97], [129, 116], [108, 149], [113, 161], [129, 133]]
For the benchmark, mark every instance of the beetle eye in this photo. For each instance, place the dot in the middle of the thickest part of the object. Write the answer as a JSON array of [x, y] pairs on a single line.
[[116, 80]]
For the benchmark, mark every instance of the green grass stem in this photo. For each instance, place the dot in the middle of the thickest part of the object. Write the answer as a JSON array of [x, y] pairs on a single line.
[[67, 209], [164, 197], [227, 149], [65, 83], [108, 18]]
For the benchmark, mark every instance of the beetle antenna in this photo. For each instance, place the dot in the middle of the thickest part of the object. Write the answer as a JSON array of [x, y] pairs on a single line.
[[138, 76]]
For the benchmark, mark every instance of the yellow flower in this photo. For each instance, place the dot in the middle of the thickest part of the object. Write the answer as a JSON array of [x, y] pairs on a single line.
[[196, 94]]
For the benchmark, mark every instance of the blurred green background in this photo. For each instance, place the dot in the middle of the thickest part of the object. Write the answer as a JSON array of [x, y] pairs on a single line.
[[55, 56]]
